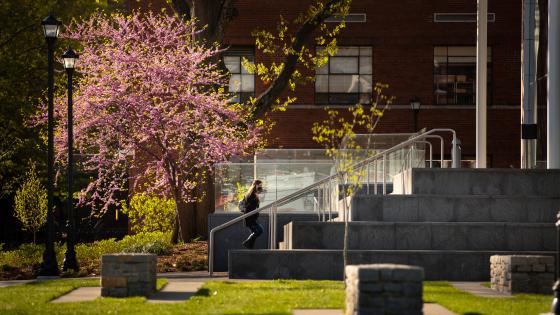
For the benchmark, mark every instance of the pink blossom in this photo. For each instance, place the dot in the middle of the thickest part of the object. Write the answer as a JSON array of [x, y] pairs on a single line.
[[149, 107]]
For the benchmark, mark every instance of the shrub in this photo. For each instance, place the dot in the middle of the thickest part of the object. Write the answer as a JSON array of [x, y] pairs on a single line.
[[31, 202], [149, 213], [148, 242]]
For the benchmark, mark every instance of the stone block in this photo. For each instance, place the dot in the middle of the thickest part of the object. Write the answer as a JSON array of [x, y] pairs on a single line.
[[387, 289], [539, 268], [113, 282], [521, 273], [128, 274]]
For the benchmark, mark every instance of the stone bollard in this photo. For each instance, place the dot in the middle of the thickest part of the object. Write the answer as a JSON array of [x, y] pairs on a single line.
[[522, 273], [128, 274], [384, 289]]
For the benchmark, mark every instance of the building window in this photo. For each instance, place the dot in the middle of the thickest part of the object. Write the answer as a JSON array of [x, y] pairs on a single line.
[[346, 79], [241, 83], [455, 75]]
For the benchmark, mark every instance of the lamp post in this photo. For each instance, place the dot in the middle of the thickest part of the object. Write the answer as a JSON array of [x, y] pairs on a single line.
[[49, 267], [415, 106], [70, 262]]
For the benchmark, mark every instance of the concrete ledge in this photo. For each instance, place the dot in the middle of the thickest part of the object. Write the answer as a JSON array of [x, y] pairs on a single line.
[[327, 264], [537, 182], [454, 208], [422, 236]]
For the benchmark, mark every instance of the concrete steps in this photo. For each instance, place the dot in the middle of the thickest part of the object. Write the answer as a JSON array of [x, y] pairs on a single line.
[[422, 236], [445, 181], [327, 264], [454, 208], [449, 221]]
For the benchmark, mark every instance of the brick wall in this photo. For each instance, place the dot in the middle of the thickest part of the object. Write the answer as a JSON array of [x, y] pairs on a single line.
[[403, 34]]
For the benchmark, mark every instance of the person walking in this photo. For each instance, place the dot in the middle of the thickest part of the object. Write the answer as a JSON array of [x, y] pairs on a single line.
[[250, 203]]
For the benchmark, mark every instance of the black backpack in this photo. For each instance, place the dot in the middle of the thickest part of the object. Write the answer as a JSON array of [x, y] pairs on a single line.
[[242, 205]]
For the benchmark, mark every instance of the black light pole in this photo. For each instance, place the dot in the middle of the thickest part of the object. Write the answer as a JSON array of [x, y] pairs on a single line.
[[556, 288], [49, 267], [70, 262], [415, 106]]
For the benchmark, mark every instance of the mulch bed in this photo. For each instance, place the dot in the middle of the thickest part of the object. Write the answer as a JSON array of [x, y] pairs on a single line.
[[184, 257]]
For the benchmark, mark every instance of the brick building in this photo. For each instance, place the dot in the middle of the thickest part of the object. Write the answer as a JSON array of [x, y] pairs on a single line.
[[422, 49]]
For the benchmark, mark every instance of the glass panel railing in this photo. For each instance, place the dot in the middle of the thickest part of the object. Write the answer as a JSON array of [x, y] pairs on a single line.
[[279, 179]]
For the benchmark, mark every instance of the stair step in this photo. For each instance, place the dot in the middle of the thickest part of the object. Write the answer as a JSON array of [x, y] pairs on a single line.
[[327, 264], [454, 208], [421, 236], [535, 182]]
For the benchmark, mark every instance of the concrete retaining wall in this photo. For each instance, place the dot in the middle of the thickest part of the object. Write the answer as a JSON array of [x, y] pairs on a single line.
[[231, 237], [327, 264]]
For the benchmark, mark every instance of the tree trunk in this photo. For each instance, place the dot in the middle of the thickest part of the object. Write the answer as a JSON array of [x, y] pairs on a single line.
[[205, 206], [176, 227], [34, 239]]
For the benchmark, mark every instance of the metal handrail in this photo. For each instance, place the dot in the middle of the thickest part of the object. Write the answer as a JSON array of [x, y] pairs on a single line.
[[305, 190]]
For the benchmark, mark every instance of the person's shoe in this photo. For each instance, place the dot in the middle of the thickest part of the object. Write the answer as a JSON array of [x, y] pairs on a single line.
[[249, 243]]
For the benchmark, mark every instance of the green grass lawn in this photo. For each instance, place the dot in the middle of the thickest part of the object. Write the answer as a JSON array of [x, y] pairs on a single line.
[[267, 297], [464, 303]]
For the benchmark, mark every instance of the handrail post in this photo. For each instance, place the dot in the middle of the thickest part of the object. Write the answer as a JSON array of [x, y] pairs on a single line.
[[211, 254], [384, 176], [375, 177], [456, 152]]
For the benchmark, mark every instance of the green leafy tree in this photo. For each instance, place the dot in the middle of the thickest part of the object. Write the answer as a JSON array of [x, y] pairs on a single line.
[[23, 78], [149, 213], [341, 127], [31, 202]]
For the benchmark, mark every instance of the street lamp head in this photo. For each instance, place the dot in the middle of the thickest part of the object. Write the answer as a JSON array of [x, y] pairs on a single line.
[[51, 26], [415, 103], [69, 58]]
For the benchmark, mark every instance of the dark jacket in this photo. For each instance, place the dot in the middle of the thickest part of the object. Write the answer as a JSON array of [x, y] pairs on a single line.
[[251, 204]]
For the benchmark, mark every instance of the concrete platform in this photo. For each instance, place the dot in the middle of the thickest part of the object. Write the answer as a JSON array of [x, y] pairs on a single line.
[[327, 264], [454, 208], [476, 288], [422, 236], [83, 294], [429, 309], [175, 292], [447, 181]]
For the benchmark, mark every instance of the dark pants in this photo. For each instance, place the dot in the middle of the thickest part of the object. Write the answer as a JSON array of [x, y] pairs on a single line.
[[255, 228]]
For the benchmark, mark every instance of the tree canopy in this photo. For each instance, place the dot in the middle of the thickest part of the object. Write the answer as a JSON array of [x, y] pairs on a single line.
[[150, 109]]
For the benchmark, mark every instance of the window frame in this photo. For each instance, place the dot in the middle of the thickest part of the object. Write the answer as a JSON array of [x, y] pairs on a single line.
[[242, 52], [489, 73], [338, 98]]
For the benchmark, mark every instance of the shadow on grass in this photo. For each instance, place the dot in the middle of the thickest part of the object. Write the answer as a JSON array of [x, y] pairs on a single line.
[[203, 292]]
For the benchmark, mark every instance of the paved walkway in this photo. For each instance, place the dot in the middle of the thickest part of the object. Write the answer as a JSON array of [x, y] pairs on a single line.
[[429, 309], [174, 291], [478, 289], [83, 294], [10, 283]]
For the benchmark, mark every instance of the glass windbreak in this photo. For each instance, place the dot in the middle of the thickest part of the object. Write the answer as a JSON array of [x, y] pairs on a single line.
[[412, 156], [279, 180]]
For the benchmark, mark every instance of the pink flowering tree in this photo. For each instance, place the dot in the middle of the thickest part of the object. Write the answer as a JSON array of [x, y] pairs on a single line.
[[150, 111]]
